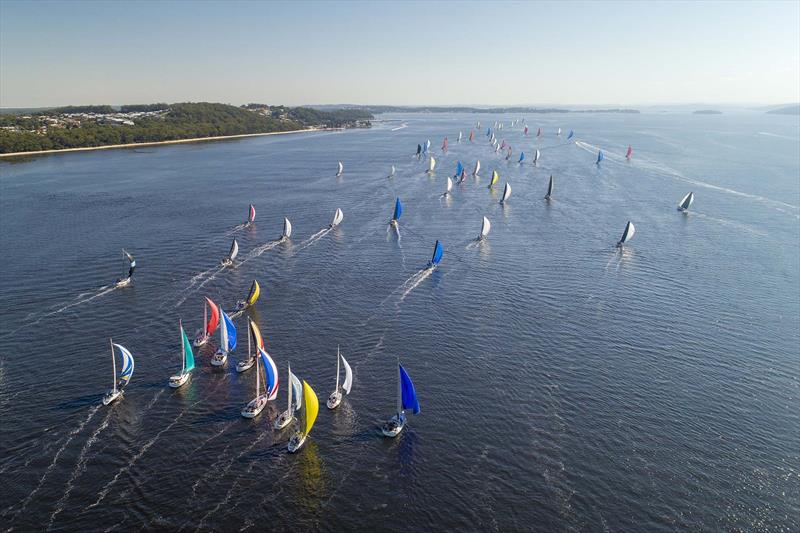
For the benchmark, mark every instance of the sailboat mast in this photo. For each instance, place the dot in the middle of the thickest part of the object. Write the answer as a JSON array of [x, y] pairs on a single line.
[[290, 387], [258, 378], [399, 390], [248, 339], [205, 317], [337, 369], [183, 348], [113, 363]]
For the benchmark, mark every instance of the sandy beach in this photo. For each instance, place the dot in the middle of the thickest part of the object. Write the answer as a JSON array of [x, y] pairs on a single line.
[[177, 141]]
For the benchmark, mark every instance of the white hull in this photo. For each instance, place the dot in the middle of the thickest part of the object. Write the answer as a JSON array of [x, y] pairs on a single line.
[[334, 400], [296, 442], [219, 359], [200, 340], [226, 262], [179, 380], [254, 408], [242, 366], [111, 396], [286, 418], [394, 426], [124, 282]]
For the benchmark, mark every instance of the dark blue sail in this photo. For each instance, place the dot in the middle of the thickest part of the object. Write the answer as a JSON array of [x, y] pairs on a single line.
[[600, 156], [459, 169], [437, 254], [408, 393], [521, 157], [571, 133], [398, 210]]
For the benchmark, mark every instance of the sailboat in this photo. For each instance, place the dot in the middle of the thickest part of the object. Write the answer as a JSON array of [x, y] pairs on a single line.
[[506, 193], [431, 165], [406, 399], [251, 215], [477, 168], [130, 265], [437, 255], [340, 169], [471, 135], [571, 133], [253, 330], [463, 175], [209, 324], [600, 157], [627, 235], [495, 177], [460, 135], [629, 153], [427, 146], [686, 202], [445, 145], [525, 131], [227, 340], [287, 229], [485, 227], [336, 396], [257, 404], [125, 375], [391, 174], [536, 155], [310, 409], [539, 133], [398, 212], [459, 169], [419, 151], [187, 362], [449, 186], [478, 125], [558, 133], [294, 391], [252, 296], [338, 216], [508, 153], [228, 261], [521, 157], [549, 194]]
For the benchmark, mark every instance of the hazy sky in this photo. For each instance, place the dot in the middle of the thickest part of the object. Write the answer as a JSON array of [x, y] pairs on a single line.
[[606, 53]]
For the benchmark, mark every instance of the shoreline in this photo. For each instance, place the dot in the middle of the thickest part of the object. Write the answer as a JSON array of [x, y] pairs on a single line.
[[157, 143]]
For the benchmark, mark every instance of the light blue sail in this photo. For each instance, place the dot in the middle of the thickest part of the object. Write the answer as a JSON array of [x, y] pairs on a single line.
[[600, 157], [571, 133], [231, 330], [438, 251], [398, 210], [521, 157], [127, 365], [408, 392], [459, 169]]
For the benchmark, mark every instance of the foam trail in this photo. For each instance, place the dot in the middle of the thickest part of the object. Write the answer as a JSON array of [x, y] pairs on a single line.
[[728, 223], [313, 239], [795, 139], [422, 276], [400, 127], [71, 436], [194, 287], [103, 493], [256, 252], [225, 428]]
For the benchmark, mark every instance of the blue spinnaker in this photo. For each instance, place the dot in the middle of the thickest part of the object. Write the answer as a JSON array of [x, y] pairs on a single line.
[[398, 210], [437, 253], [459, 168], [231, 330], [521, 157], [409, 394]]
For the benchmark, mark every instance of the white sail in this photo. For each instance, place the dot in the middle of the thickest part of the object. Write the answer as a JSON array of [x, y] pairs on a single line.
[[392, 172], [297, 388], [686, 202], [348, 376], [234, 250], [549, 188], [449, 185], [628, 234], [287, 228], [506, 193], [485, 227], [536, 155], [341, 169], [559, 132], [431, 164], [477, 168], [460, 135], [338, 216]]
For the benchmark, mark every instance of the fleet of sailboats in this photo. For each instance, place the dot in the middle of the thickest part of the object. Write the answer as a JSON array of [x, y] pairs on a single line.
[[124, 377], [187, 362], [336, 396]]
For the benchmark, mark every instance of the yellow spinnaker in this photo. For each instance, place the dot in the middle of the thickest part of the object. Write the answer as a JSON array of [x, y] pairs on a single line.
[[311, 406], [495, 177], [257, 334], [255, 292]]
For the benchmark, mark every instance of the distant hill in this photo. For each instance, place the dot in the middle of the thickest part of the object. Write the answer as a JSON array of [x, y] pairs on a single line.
[[707, 112], [793, 109]]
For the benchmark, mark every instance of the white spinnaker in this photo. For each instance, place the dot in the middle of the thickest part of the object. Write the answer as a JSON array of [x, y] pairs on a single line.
[[449, 185], [338, 216], [234, 250], [341, 168], [506, 193], [477, 168], [287, 228], [629, 232], [431, 164], [348, 376], [485, 227]]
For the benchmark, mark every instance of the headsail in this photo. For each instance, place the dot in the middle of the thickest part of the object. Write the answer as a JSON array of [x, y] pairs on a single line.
[[477, 168], [550, 188], [271, 373], [600, 157], [188, 355], [213, 320], [227, 334], [485, 227], [398, 210], [521, 157], [495, 177], [438, 251], [409, 393], [627, 235], [287, 228], [338, 216], [255, 291], [686, 202], [348, 376], [234, 250], [251, 216], [127, 365], [506, 193], [312, 407]]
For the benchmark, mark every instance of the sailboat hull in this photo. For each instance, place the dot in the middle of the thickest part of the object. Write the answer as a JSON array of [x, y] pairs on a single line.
[[334, 400], [200, 340], [179, 380], [296, 442], [243, 366], [219, 358], [226, 262], [123, 282], [112, 396], [394, 426], [285, 418], [254, 408]]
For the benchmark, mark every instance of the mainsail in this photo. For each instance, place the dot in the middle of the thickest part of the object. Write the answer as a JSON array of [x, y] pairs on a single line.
[[686, 202], [485, 227], [627, 235], [398, 210], [287, 228], [506, 193]]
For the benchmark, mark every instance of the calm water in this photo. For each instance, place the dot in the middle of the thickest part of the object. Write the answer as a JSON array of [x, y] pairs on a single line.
[[564, 386]]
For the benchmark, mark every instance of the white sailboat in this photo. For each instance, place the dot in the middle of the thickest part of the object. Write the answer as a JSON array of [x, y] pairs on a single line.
[[125, 376], [536, 155], [549, 194], [686, 202], [431, 165], [187, 362], [126, 278], [340, 169], [336, 396], [295, 394], [338, 216], [477, 168], [287, 229], [270, 392], [449, 186], [627, 235], [460, 136], [391, 174], [248, 363], [486, 226], [506, 193], [406, 399], [228, 261]]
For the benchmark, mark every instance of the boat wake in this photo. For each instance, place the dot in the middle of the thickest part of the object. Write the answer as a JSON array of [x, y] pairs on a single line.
[[400, 127], [197, 282], [52, 465], [729, 223], [258, 250], [313, 239], [766, 133], [412, 283]]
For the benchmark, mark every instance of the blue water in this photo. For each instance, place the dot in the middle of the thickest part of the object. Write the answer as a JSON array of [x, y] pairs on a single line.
[[564, 385]]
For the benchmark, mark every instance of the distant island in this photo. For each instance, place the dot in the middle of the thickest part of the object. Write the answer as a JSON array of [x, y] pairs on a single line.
[[793, 109], [707, 112], [102, 125]]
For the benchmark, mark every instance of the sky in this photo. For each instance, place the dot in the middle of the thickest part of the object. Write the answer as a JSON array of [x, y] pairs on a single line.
[[400, 53]]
